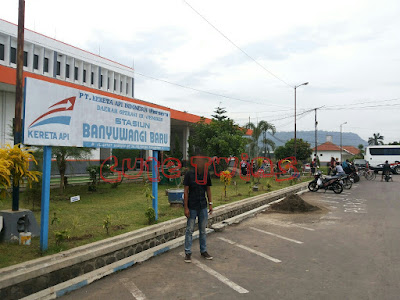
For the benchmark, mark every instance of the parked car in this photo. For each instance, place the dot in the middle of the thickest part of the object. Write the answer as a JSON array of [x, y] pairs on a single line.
[[360, 163]]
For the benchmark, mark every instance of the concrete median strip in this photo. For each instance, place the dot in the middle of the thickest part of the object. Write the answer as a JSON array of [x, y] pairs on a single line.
[[88, 278]]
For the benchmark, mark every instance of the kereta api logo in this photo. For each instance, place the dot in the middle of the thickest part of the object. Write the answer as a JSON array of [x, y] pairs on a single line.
[[59, 113]]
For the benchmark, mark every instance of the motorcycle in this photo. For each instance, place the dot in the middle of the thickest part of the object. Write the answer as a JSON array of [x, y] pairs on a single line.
[[388, 177], [326, 183], [353, 174], [346, 181]]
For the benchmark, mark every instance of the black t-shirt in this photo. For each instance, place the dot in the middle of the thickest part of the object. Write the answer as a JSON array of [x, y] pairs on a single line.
[[386, 167], [197, 192]]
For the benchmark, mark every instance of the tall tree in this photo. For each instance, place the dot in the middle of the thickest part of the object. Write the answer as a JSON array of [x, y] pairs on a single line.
[[303, 150], [259, 130], [221, 138], [376, 139], [220, 114]]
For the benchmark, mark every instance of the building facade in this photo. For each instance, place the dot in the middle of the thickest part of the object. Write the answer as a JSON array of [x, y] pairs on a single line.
[[54, 61], [328, 150]]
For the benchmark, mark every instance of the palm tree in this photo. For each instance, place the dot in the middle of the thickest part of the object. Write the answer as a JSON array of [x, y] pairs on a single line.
[[376, 139], [261, 128]]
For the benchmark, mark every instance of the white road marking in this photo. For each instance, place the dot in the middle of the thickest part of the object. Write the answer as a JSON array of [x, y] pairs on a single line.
[[219, 276], [133, 289], [276, 235], [329, 201], [303, 227], [251, 250], [289, 225]]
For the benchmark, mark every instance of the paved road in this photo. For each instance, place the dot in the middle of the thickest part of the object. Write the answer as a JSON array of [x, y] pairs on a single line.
[[347, 250]]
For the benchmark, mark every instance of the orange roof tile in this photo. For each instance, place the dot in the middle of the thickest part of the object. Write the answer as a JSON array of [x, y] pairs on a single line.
[[329, 146], [353, 150]]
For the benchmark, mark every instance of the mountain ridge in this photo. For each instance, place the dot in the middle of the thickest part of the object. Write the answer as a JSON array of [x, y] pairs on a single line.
[[348, 138]]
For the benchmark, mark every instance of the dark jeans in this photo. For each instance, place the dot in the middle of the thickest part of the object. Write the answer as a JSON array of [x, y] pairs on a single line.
[[202, 215]]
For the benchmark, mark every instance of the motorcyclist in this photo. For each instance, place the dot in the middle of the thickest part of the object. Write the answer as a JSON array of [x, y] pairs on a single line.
[[339, 170]]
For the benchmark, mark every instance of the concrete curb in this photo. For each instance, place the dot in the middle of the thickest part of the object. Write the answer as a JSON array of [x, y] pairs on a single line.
[[88, 278]]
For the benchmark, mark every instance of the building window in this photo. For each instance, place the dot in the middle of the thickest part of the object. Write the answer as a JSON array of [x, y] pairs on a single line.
[[92, 78], [101, 81], [25, 59], [76, 73], [67, 70], [35, 61], [1, 51], [115, 84], [127, 88], [84, 75], [13, 55], [58, 68], [120, 87], [108, 83], [46, 65]]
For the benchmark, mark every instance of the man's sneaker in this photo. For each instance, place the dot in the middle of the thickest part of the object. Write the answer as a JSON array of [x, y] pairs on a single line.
[[206, 255], [188, 258]]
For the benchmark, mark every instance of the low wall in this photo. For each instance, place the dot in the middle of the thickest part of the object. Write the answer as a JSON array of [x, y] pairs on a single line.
[[30, 277]]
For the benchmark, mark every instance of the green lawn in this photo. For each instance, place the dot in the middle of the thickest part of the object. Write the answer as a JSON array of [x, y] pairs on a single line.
[[125, 205]]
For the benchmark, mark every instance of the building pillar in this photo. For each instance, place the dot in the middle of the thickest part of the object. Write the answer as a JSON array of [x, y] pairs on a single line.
[[104, 154], [117, 88], [185, 142], [63, 62], [105, 80], [80, 72], [123, 91], [31, 53], [7, 51], [89, 75], [112, 79]]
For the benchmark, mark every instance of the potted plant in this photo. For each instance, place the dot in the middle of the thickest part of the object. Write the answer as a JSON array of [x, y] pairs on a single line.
[[175, 195]]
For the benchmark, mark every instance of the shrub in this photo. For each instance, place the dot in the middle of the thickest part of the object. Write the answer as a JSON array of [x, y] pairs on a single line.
[[150, 215], [61, 236], [14, 167], [226, 178], [107, 224]]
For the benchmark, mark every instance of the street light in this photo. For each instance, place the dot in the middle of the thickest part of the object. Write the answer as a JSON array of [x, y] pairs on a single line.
[[341, 148], [295, 122]]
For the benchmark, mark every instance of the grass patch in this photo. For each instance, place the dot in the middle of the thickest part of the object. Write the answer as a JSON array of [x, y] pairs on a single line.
[[125, 205]]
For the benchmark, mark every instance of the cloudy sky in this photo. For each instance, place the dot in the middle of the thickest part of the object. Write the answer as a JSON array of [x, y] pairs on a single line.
[[349, 51]]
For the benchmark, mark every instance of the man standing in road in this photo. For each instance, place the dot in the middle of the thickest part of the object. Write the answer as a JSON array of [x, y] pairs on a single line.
[[197, 184], [386, 169]]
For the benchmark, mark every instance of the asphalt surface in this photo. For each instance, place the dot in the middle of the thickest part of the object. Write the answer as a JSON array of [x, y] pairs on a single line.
[[347, 250]]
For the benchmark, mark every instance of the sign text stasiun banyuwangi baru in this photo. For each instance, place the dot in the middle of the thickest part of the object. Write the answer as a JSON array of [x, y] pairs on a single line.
[[56, 115]]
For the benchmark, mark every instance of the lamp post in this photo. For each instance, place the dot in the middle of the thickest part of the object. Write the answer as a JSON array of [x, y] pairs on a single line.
[[295, 119], [341, 149]]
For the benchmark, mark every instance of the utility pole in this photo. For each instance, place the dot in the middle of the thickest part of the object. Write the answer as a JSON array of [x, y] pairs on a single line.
[[316, 131], [19, 92], [295, 119], [316, 142], [341, 146]]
